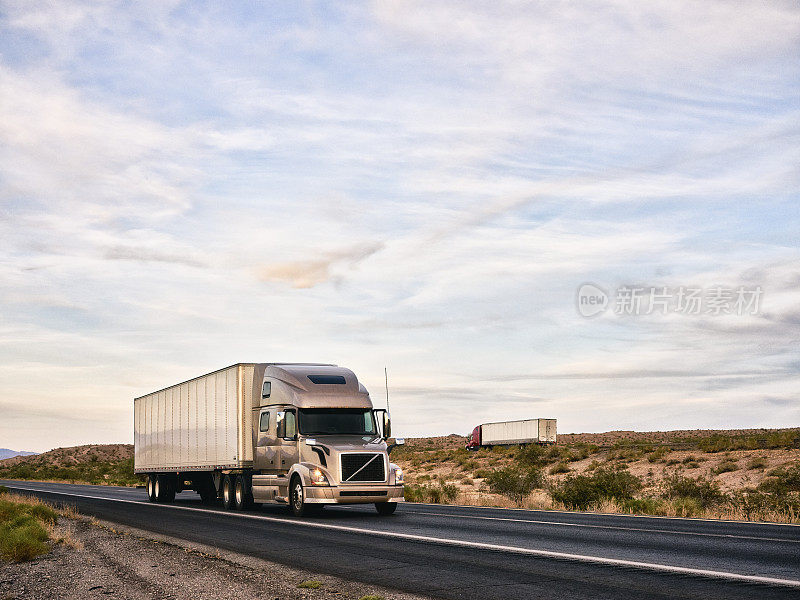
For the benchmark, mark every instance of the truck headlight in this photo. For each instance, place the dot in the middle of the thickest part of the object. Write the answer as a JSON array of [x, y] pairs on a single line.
[[318, 477], [398, 475]]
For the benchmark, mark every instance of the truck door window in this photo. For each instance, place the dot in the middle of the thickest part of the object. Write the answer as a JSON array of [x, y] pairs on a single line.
[[290, 425], [266, 389], [264, 423], [287, 424]]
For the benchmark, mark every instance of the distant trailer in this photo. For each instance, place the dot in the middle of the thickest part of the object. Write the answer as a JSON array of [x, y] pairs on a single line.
[[506, 433]]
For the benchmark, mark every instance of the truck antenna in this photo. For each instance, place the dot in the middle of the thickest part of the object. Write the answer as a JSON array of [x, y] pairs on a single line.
[[386, 377]]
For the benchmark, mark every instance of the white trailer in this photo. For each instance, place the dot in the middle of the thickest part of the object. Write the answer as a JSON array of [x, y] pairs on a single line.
[[201, 424], [525, 431]]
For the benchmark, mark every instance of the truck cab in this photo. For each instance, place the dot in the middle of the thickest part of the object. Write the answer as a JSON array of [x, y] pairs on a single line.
[[474, 441], [318, 440]]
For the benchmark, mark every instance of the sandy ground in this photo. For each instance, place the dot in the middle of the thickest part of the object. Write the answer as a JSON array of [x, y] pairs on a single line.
[[107, 561]]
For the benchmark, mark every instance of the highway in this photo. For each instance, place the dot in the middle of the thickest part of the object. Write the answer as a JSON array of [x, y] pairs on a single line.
[[486, 553]]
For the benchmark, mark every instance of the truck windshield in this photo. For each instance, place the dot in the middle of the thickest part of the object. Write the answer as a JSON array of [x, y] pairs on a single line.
[[336, 421]]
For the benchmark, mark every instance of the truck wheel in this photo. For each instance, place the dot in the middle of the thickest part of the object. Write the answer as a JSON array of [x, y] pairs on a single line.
[[151, 488], [241, 499], [386, 508], [297, 500], [228, 492]]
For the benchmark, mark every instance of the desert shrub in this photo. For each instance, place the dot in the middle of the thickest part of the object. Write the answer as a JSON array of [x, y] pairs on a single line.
[[22, 534], [704, 491], [782, 480], [624, 454], [673, 461], [645, 506], [687, 507], [754, 502], [561, 467], [657, 454], [435, 494], [531, 455], [467, 481], [593, 465], [726, 466], [413, 492], [580, 491], [689, 459], [692, 465], [481, 473], [757, 462], [514, 483], [578, 454]]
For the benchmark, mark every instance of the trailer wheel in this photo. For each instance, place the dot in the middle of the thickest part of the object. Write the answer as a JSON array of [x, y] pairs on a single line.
[[163, 489], [297, 500], [228, 492], [385, 508], [151, 488]]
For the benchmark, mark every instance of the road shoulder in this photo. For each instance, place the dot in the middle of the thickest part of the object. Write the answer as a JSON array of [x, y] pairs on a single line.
[[109, 560]]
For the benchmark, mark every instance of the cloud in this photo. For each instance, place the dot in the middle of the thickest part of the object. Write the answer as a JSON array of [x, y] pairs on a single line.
[[150, 255], [309, 273]]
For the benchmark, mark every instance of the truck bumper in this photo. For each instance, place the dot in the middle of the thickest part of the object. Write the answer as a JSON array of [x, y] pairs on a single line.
[[353, 494]]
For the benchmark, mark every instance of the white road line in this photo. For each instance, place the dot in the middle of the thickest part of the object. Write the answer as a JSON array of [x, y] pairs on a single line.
[[560, 523], [621, 515], [463, 544]]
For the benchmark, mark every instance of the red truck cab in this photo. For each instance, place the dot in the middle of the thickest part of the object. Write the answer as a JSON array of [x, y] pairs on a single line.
[[474, 441]]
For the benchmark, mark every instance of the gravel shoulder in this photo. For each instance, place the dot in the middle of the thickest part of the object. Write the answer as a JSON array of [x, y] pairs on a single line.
[[105, 560]]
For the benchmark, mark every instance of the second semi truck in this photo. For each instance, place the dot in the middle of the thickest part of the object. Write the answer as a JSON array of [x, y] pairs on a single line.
[[303, 435], [526, 431]]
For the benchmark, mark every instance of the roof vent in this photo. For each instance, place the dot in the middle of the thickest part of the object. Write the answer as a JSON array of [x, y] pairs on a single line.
[[327, 379]]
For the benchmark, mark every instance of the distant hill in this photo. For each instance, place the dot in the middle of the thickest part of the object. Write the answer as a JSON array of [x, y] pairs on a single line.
[[6, 453], [93, 463]]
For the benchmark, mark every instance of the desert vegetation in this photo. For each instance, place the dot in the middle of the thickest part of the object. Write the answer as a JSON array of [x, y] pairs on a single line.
[[110, 464], [745, 474]]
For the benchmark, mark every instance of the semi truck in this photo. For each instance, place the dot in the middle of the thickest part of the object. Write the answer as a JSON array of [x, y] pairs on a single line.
[[303, 435], [506, 433]]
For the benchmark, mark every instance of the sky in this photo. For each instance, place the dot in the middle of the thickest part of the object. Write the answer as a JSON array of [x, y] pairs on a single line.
[[421, 186]]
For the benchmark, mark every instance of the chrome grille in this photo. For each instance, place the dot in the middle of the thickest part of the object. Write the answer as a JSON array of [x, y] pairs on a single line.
[[362, 467]]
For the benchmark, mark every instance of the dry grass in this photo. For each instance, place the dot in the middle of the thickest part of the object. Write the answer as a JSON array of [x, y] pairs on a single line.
[[28, 526]]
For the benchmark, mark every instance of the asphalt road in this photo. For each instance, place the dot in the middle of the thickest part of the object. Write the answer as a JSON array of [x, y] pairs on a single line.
[[480, 553]]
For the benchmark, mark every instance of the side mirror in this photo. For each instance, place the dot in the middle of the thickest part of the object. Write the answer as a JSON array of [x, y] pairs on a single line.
[[397, 442], [387, 426]]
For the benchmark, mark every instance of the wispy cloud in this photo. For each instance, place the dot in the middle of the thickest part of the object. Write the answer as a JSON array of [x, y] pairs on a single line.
[[310, 272]]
